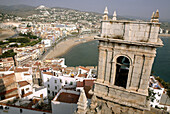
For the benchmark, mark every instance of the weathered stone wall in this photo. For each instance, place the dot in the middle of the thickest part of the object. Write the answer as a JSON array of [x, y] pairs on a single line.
[[131, 30], [141, 60], [107, 107], [121, 96]]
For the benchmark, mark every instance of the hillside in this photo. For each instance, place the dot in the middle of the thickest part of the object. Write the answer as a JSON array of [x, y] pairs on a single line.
[[18, 10]]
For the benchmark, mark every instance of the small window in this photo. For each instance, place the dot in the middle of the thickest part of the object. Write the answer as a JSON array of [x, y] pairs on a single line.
[[6, 108], [71, 83], [55, 81], [48, 86], [20, 110], [66, 82], [47, 79], [60, 80], [56, 87], [1, 107], [27, 89], [48, 91]]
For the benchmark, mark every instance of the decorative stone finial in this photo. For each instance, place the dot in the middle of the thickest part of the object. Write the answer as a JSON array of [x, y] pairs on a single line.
[[105, 17], [106, 11], [156, 14], [82, 103], [153, 14], [114, 16]]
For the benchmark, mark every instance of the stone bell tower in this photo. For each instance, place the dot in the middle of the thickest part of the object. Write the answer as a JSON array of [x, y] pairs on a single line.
[[126, 53]]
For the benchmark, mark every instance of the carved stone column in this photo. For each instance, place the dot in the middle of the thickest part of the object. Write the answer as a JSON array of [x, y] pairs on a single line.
[[101, 64], [108, 66]]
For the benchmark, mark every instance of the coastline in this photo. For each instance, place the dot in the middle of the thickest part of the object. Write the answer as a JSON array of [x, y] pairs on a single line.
[[64, 46], [164, 35]]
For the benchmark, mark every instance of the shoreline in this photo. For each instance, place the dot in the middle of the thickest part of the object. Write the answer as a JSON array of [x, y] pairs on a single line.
[[164, 35], [64, 46]]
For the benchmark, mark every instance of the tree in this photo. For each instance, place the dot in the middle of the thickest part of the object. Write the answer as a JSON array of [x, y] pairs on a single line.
[[9, 53]]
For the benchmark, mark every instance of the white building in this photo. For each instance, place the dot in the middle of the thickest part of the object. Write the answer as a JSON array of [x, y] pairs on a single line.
[[65, 102], [24, 89], [54, 83], [158, 89], [47, 42]]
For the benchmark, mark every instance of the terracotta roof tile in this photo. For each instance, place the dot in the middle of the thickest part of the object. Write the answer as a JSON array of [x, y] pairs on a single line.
[[80, 84], [82, 75], [88, 82], [49, 73], [68, 98], [84, 68], [21, 69], [23, 83]]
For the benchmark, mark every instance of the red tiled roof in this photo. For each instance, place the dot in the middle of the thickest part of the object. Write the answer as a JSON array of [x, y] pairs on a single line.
[[88, 82], [60, 61], [23, 83], [49, 73], [9, 91], [84, 68], [160, 85], [68, 98], [56, 68], [26, 74], [80, 84], [21, 69], [19, 50], [37, 63], [10, 59], [44, 69], [12, 74], [82, 75], [4, 69]]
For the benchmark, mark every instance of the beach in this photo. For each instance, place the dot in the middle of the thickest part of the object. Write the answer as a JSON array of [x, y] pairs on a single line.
[[65, 45], [6, 33]]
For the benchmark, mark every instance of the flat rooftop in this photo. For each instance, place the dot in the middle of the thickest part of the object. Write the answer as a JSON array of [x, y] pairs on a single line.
[[67, 97]]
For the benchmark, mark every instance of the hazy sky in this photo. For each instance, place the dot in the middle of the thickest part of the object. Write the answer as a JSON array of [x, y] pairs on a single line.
[[137, 8]]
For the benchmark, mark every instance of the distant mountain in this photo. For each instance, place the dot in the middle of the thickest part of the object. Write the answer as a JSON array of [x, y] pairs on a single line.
[[25, 10], [18, 10]]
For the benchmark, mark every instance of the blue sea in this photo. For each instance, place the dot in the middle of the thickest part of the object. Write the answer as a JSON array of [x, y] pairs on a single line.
[[86, 54]]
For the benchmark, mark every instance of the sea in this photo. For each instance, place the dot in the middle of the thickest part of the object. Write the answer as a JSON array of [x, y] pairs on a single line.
[[86, 54]]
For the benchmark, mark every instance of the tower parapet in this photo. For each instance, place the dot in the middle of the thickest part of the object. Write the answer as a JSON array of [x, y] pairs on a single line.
[[131, 31]]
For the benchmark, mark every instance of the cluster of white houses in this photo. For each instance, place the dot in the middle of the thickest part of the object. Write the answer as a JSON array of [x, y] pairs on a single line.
[[29, 88]]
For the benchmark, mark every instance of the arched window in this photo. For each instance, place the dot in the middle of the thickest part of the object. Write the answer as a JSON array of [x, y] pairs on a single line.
[[122, 70]]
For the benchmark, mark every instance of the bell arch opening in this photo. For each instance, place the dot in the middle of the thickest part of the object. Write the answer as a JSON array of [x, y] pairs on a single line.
[[122, 70]]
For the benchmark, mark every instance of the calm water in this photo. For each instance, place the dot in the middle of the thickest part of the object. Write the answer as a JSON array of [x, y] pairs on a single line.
[[86, 54]]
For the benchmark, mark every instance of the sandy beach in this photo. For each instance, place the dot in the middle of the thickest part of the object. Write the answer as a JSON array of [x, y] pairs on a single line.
[[64, 46], [5, 33]]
